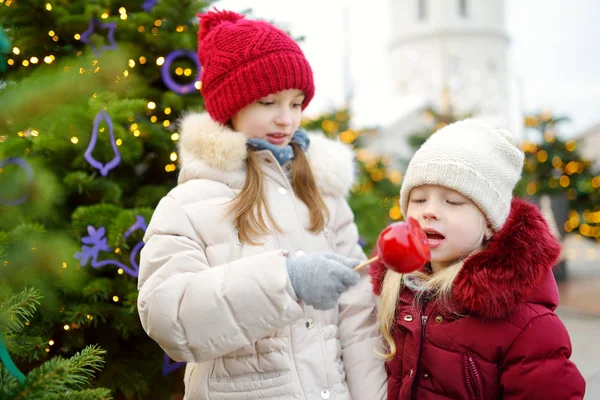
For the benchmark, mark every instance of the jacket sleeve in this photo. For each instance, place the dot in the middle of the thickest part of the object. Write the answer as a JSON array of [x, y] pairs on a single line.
[[359, 332], [197, 312], [537, 366]]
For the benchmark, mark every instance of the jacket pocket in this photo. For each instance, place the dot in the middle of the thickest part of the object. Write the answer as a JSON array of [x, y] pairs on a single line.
[[473, 378], [254, 386]]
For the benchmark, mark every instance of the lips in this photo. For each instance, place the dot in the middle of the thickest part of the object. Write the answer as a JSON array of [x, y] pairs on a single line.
[[434, 238], [277, 138]]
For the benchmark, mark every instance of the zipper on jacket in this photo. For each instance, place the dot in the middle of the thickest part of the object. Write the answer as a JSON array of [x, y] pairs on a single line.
[[473, 378], [423, 323]]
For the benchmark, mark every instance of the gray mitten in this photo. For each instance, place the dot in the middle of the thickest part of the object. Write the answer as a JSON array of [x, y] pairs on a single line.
[[319, 279]]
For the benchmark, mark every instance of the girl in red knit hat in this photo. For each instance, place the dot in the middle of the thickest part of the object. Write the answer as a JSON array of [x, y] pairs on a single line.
[[477, 322], [247, 272]]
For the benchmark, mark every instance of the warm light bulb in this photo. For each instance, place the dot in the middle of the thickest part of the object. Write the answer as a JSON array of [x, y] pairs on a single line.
[[173, 156], [16, 50], [159, 61], [151, 105], [48, 6]]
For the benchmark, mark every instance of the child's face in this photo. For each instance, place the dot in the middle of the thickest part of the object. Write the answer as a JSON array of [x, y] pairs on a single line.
[[274, 118], [454, 225]]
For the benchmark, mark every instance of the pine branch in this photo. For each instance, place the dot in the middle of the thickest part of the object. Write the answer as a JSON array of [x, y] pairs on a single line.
[[58, 376], [89, 394], [18, 309]]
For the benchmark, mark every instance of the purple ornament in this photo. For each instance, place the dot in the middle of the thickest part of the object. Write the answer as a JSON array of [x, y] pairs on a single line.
[[166, 73], [111, 26], [28, 170], [149, 5], [170, 366], [104, 168], [96, 238]]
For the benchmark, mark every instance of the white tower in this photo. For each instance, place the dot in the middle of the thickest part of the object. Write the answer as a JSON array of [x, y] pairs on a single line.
[[452, 53]]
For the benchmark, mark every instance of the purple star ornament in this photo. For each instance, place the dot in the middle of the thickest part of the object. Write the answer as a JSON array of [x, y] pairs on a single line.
[[95, 22]]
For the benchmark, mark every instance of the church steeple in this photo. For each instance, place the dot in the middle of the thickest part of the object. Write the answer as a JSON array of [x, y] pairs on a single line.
[[452, 48]]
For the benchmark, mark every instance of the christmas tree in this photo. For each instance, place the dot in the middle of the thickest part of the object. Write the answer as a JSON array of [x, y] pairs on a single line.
[[55, 379], [88, 99], [554, 167]]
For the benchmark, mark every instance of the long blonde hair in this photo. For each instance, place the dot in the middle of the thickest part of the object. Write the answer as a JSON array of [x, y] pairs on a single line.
[[436, 285], [249, 207]]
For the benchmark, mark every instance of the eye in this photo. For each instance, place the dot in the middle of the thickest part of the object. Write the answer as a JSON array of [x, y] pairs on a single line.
[[417, 200], [455, 202], [266, 103]]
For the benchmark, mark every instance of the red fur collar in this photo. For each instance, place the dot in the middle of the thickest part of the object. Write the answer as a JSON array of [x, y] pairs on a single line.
[[516, 266]]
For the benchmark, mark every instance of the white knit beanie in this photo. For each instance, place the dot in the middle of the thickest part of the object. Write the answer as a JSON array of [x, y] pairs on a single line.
[[473, 158]]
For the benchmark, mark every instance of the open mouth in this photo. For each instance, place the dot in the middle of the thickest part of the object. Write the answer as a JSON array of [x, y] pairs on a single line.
[[434, 238]]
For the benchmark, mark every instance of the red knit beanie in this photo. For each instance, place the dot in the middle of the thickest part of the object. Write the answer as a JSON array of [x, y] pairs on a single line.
[[244, 61]]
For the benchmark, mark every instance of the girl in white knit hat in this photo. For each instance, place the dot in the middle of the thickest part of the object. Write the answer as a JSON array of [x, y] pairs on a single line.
[[477, 321]]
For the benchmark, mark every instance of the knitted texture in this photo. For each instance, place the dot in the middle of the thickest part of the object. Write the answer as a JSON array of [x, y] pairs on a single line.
[[244, 60], [473, 158], [319, 279]]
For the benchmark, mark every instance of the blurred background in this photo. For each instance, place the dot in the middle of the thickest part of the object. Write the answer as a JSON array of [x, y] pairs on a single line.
[[90, 93]]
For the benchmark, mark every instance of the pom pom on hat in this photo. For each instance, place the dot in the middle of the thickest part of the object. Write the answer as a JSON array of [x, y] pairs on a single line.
[[213, 18]]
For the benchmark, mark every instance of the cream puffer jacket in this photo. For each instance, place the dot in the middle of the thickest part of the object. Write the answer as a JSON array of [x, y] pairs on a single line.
[[227, 308]]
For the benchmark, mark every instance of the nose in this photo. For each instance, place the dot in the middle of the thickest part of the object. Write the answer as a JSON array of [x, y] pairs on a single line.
[[430, 212], [283, 117]]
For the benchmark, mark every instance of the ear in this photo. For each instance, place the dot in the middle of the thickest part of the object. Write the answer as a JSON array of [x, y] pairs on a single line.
[[489, 232]]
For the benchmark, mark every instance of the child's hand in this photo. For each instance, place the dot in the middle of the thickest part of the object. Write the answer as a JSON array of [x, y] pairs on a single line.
[[319, 279]]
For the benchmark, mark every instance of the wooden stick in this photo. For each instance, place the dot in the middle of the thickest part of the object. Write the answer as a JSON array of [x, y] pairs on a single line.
[[365, 263]]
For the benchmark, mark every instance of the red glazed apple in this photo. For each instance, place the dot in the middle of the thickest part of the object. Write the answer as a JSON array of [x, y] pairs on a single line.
[[403, 247]]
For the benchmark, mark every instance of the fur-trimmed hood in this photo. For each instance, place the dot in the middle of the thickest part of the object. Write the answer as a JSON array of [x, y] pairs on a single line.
[[208, 150], [515, 267]]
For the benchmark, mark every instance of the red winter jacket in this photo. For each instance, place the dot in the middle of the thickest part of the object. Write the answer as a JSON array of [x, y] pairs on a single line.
[[508, 344]]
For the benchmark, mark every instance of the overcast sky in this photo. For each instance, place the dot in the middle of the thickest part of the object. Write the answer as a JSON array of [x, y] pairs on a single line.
[[554, 52]]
